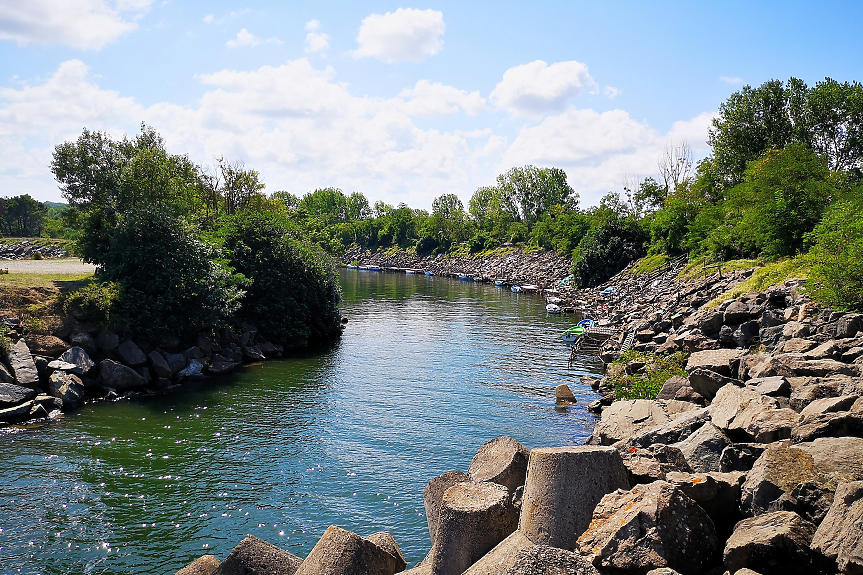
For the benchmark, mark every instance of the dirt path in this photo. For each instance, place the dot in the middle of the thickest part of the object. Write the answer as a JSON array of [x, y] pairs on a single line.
[[70, 266]]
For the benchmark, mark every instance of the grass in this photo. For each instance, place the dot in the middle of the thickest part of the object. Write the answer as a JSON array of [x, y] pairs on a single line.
[[695, 269], [62, 281], [767, 275], [648, 264], [658, 368]]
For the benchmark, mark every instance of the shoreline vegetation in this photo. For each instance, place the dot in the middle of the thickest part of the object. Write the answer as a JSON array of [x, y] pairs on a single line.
[[730, 437]]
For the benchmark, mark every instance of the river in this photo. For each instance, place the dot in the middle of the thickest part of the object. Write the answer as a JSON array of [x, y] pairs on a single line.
[[427, 371]]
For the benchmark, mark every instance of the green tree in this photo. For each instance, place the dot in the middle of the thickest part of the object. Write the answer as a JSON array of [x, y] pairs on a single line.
[[836, 278], [22, 216], [535, 190], [607, 249]]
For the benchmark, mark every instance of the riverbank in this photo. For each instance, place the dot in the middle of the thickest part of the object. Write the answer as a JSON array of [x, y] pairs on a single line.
[[751, 461]]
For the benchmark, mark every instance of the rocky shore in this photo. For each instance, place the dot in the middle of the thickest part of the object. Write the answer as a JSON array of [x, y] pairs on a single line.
[[751, 464], [26, 249], [43, 376]]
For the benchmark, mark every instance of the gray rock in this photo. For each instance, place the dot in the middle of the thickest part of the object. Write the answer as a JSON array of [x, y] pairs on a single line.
[[776, 542], [646, 465], [502, 460], [176, 361], [771, 337], [840, 534], [831, 424], [797, 345], [159, 365], [678, 388], [735, 313], [253, 353], [255, 556], [795, 329], [11, 394], [193, 369], [703, 449], [341, 552], [672, 431], [107, 341], [68, 388], [49, 402], [802, 477], [649, 527], [23, 366], [78, 356], [773, 425], [722, 361], [195, 352], [118, 376], [734, 409], [6, 375], [83, 340], [17, 413], [545, 560], [60, 365], [740, 456], [717, 493], [773, 386], [848, 325], [221, 365], [563, 395], [131, 354], [828, 405], [710, 323], [203, 565], [624, 419], [270, 349], [707, 383], [207, 345]]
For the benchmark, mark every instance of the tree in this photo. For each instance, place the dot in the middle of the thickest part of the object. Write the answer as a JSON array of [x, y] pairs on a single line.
[[23, 216], [836, 279], [534, 190], [832, 114], [607, 249], [675, 165]]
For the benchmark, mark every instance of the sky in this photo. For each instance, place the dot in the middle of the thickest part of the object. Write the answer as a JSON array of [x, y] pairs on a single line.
[[403, 102]]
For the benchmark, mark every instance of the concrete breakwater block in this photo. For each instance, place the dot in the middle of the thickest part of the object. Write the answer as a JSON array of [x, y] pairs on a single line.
[[433, 495], [203, 565], [564, 485], [340, 552], [502, 460], [502, 557], [256, 556], [474, 518], [388, 543]]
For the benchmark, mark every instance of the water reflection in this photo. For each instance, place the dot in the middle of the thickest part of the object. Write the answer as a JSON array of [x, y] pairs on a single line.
[[428, 370]]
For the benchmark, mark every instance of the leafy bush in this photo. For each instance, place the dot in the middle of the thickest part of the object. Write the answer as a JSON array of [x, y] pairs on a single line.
[[170, 283], [97, 300], [294, 293], [658, 368], [836, 277], [607, 249]]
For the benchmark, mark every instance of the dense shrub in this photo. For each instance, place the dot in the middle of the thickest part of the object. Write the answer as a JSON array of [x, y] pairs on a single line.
[[294, 293], [836, 276], [658, 368], [607, 249]]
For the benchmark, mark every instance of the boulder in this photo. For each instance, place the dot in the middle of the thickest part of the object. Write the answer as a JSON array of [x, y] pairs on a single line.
[[795, 329], [722, 361], [840, 535], [159, 365], [717, 493], [67, 387], [735, 313], [710, 323], [502, 557], [433, 496], [649, 527], [221, 365], [118, 376], [703, 449], [563, 395], [49, 402], [734, 409], [827, 350], [18, 413], [208, 346], [49, 345], [83, 340], [707, 383], [848, 325], [388, 543], [841, 424], [774, 425], [672, 431], [340, 552], [256, 556], [193, 369], [176, 361], [563, 486], [646, 465], [203, 565], [252, 353], [777, 386], [776, 542], [828, 405], [771, 337], [108, 341], [805, 390], [6, 375], [474, 518], [22, 365], [802, 477], [798, 345], [623, 419], [740, 456], [78, 356], [11, 394], [545, 560], [131, 354], [502, 460], [60, 365], [678, 388]]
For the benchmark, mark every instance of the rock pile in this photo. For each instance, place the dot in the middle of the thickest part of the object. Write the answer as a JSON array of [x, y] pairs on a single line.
[[543, 268], [43, 375], [25, 250]]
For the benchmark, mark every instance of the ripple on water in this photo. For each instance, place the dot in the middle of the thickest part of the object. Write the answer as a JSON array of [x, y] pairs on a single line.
[[428, 370]]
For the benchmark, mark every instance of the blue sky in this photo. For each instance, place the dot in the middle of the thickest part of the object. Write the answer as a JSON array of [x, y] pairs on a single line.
[[402, 102]]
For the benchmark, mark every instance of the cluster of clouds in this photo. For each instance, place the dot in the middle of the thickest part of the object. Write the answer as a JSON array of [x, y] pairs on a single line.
[[301, 128]]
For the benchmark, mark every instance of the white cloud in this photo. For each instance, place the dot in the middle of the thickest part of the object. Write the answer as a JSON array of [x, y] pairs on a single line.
[[731, 80], [209, 19], [536, 89], [597, 150], [81, 24], [406, 35], [246, 38], [611, 92], [316, 41], [427, 99]]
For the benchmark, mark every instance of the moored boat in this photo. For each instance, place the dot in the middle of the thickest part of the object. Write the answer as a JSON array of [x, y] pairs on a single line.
[[552, 308], [572, 333]]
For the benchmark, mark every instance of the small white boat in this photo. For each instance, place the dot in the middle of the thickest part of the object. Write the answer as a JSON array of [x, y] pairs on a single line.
[[516, 289], [353, 267], [409, 272], [498, 283], [364, 268], [552, 308], [428, 273]]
